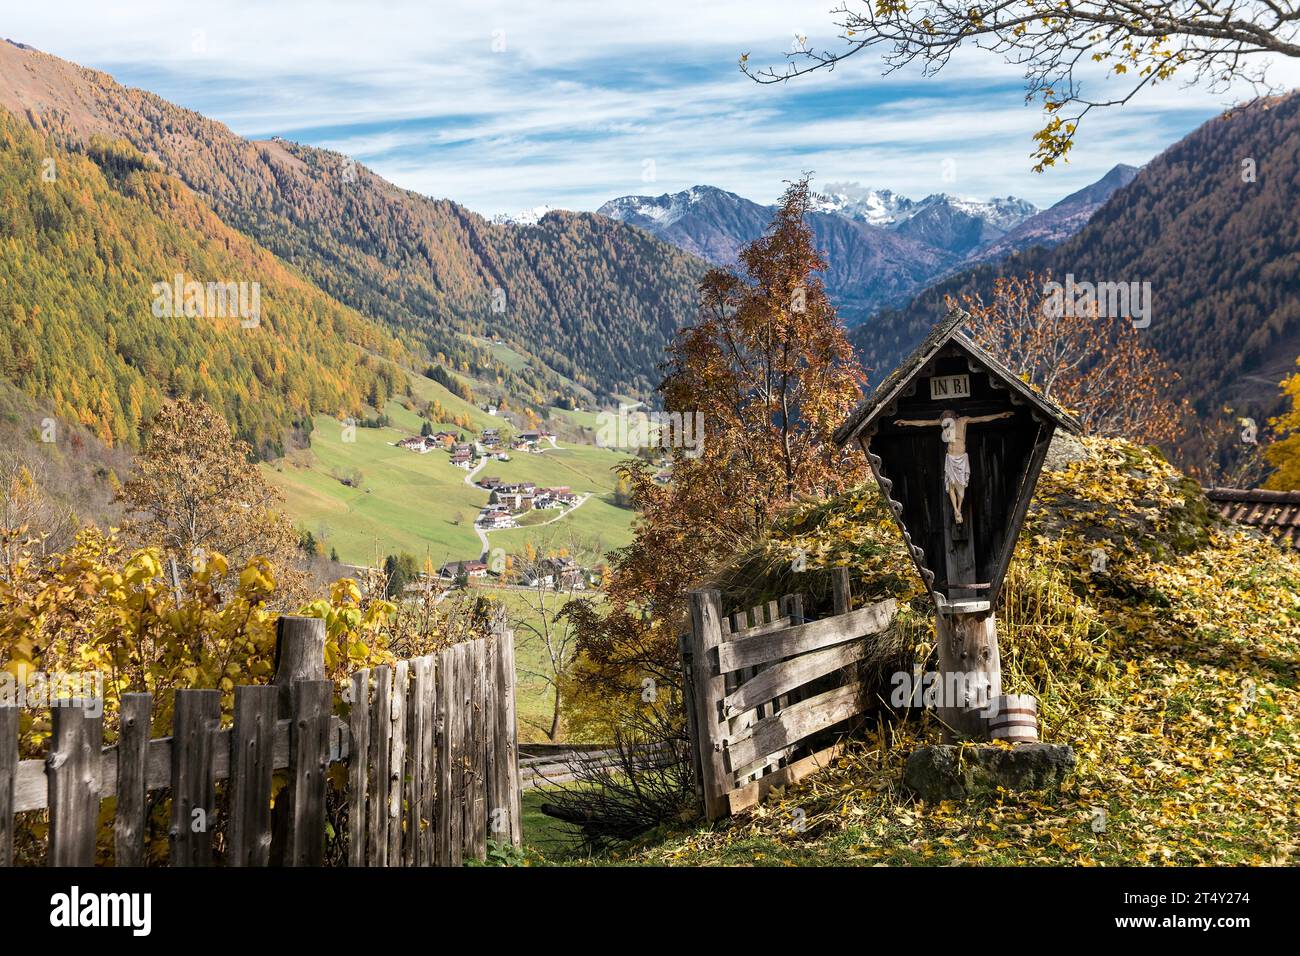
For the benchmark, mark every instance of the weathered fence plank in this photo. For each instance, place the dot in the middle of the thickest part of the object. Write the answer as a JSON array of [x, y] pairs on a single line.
[[381, 732], [8, 780], [508, 735], [197, 717], [477, 784], [710, 688], [73, 768], [358, 764], [802, 638], [299, 655], [426, 805], [793, 724], [397, 762], [444, 721], [252, 763], [132, 784], [465, 763], [793, 672], [309, 758]]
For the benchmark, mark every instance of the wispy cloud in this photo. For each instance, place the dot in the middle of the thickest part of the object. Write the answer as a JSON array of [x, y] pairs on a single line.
[[574, 102]]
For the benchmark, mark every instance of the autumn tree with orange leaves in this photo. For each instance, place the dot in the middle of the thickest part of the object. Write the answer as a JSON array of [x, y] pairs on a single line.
[[771, 372], [1097, 367]]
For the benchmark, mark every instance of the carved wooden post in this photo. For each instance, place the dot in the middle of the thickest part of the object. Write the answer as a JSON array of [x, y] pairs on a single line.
[[970, 671]]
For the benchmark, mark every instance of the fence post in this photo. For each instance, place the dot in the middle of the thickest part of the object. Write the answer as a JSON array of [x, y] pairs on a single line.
[[358, 765], [132, 790], [299, 656], [426, 810], [710, 689], [397, 762], [8, 776], [476, 784], [73, 770], [843, 593], [688, 704], [381, 733]]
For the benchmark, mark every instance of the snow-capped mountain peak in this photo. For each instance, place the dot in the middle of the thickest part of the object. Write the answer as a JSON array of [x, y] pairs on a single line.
[[662, 210], [880, 207], [529, 217]]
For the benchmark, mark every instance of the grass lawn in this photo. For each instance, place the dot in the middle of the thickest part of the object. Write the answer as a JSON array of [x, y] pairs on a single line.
[[405, 501]]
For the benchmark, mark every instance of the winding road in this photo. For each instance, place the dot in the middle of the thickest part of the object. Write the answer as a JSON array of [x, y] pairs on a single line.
[[483, 535]]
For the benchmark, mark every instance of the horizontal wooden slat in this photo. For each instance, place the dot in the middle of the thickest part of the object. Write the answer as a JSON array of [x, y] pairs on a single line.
[[802, 638], [787, 675], [753, 793], [758, 630], [30, 789], [792, 724]]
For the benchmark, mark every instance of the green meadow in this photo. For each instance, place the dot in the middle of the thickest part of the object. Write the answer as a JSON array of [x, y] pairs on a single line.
[[420, 503]]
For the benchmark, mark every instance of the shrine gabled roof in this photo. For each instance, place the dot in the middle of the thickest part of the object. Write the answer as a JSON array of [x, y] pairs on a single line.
[[947, 331]]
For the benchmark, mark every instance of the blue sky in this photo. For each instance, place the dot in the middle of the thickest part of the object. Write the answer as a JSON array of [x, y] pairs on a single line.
[[507, 106]]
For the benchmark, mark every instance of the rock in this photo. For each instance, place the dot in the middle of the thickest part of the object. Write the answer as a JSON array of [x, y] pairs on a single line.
[[950, 772], [1064, 449]]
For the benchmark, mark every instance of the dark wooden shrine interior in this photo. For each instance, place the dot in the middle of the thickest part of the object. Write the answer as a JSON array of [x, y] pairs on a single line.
[[1002, 457]]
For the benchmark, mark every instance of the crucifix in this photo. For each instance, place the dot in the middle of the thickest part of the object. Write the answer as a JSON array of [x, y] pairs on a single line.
[[956, 463]]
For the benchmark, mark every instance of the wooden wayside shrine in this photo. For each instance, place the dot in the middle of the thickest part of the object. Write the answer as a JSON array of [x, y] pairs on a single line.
[[956, 442]]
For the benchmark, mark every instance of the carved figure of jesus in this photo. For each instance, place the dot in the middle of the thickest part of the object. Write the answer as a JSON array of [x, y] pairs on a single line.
[[956, 463]]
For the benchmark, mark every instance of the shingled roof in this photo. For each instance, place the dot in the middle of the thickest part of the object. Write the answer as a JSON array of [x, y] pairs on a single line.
[[949, 330], [1276, 513]]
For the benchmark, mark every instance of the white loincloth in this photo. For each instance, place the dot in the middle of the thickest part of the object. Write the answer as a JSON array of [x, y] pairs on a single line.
[[956, 472]]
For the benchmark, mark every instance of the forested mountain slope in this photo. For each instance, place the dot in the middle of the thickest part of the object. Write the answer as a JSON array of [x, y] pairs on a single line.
[[85, 238], [1211, 223], [593, 299]]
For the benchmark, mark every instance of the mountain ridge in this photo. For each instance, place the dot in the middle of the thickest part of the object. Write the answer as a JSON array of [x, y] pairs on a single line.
[[1217, 241], [433, 272]]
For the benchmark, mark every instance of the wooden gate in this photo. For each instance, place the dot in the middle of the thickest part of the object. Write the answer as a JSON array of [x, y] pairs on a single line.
[[763, 685]]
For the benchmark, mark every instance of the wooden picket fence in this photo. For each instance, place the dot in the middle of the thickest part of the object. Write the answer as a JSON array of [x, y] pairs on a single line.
[[764, 684], [429, 743]]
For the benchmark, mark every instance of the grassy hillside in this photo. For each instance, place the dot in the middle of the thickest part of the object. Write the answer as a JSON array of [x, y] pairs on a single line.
[[406, 502], [421, 504], [1175, 675]]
